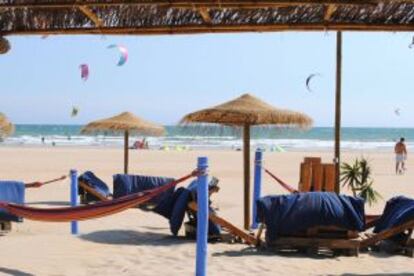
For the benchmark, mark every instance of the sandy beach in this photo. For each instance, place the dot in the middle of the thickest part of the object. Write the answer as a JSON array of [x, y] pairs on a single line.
[[139, 243]]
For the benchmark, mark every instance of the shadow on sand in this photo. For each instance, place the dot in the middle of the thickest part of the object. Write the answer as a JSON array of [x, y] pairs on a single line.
[[251, 251], [135, 238], [14, 272], [377, 274]]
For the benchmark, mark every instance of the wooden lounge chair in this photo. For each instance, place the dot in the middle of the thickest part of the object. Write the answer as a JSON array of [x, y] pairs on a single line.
[[236, 233], [91, 188], [405, 245]]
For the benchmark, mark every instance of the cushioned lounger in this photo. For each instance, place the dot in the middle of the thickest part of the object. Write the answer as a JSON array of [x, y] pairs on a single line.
[[90, 179], [286, 215]]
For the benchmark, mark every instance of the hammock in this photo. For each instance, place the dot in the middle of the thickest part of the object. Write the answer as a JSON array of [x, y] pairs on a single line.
[[100, 209], [289, 188]]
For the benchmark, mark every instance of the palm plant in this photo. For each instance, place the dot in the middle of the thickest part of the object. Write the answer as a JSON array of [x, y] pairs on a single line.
[[357, 177]]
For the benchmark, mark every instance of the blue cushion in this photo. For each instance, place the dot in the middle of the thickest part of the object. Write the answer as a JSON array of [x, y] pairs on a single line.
[[94, 182], [290, 214], [11, 191]]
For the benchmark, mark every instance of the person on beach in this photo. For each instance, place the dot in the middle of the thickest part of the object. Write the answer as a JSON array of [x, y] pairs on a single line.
[[400, 156]]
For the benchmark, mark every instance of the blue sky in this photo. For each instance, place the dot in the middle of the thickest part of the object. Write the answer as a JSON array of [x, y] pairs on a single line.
[[169, 76]]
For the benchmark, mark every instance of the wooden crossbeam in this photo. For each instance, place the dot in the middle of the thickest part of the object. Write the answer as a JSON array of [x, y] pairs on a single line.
[[205, 15], [329, 10], [385, 234], [207, 28], [91, 15], [184, 3]]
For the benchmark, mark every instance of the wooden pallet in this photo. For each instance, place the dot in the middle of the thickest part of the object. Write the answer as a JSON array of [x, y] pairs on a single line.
[[330, 232], [349, 247]]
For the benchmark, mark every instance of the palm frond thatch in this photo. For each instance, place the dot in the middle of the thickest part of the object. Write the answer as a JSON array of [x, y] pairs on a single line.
[[247, 110], [6, 127], [125, 121], [167, 17]]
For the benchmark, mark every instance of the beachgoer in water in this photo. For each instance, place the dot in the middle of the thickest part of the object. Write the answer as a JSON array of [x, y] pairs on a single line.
[[43, 139], [400, 156]]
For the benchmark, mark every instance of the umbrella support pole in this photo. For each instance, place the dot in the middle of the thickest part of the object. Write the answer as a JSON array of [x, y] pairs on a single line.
[[246, 161], [126, 153], [337, 159]]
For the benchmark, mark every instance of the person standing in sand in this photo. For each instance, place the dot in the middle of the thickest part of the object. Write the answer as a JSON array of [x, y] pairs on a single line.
[[400, 156]]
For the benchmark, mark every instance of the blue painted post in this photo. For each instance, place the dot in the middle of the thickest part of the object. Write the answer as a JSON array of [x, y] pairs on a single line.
[[202, 217], [74, 198], [258, 159]]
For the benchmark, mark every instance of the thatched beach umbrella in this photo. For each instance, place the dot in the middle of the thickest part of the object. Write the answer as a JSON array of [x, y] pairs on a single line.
[[127, 123], [6, 127], [247, 111]]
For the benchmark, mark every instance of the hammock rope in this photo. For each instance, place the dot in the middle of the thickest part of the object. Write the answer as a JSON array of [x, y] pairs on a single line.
[[97, 210], [39, 184], [286, 186]]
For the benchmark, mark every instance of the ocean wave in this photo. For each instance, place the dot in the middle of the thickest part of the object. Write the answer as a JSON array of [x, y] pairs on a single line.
[[197, 142]]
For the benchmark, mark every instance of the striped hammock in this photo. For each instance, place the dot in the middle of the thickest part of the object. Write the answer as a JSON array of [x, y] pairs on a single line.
[[100, 209]]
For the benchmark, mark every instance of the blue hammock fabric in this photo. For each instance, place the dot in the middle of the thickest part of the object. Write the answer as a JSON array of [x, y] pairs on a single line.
[[11, 191], [94, 182], [397, 211], [125, 184], [180, 207], [171, 204], [286, 215]]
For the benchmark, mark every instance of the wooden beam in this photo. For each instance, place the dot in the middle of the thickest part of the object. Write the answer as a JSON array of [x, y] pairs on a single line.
[[91, 15], [204, 28], [126, 151], [183, 3], [204, 12], [385, 234], [329, 10], [338, 96], [231, 228], [246, 170]]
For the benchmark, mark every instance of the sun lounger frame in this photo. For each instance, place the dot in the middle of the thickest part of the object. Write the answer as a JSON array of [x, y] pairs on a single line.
[[92, 191], [228, 226]]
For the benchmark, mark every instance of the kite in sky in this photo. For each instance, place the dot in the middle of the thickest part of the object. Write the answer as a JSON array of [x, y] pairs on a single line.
[[84, 71], [75, 111], [308, 80], [123, 53], [397, 111]]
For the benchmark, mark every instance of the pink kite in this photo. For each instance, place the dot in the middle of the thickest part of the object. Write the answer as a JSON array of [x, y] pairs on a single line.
[[84, 71]]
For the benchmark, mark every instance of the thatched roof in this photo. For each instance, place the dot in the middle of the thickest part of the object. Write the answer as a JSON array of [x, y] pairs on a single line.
[[125, 121], [201, 16], [6, 127], [248, 110]]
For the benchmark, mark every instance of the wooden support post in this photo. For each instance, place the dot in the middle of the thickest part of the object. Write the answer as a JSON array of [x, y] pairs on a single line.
[[329, 177], [246, 161], [305, 177], [126, 151], [317, 176], [337, 159], [329, 10], [204, 12], [91, 15]]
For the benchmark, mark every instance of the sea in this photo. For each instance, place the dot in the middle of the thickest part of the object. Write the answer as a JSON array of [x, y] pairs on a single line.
[[213, 137]]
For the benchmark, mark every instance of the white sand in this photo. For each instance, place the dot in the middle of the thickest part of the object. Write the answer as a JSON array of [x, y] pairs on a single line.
[[139, 243]]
